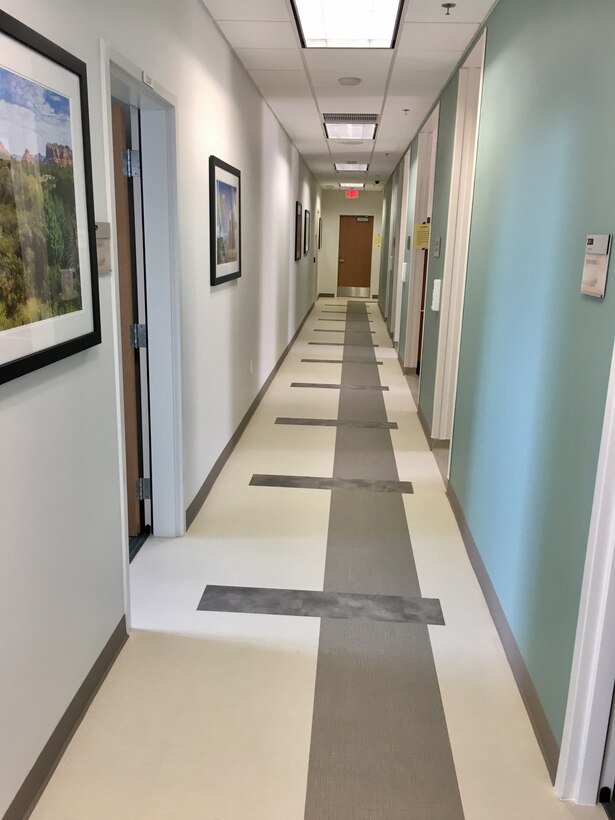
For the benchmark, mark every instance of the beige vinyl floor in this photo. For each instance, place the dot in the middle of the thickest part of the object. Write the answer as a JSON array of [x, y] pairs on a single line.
[[208, 716]]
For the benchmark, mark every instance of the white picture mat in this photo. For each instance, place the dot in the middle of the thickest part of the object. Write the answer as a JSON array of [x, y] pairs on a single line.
[[18, 342], [227, 268]]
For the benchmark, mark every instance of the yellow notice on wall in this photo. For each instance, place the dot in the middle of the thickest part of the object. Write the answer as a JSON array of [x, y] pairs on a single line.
[[378, 240], [421, 237]]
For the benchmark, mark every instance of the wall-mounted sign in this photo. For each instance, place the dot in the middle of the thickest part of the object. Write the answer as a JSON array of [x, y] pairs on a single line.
[[596, 265], [378, 240], [421, 237]]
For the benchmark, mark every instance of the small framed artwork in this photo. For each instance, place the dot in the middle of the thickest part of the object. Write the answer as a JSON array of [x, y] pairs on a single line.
[[320, 233], [49, 306], [307, 230], [224, 221], [298, 228]]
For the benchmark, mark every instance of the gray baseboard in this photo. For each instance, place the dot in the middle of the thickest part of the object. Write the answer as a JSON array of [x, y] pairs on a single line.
[[409, 371], [199, 499], [326, 295], [424, 424], [544, 734], [440, 443], [33, 786]]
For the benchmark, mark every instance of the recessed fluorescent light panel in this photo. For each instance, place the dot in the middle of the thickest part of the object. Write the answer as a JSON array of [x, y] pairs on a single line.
[[352, 185], [351, 166], [350, 131], [340, 24]]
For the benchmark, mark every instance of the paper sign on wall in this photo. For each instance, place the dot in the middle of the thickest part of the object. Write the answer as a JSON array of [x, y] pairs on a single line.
[[421, 237], [596, 265]]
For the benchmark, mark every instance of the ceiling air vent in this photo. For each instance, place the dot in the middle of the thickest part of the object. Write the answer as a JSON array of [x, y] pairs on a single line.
[[342, 118]]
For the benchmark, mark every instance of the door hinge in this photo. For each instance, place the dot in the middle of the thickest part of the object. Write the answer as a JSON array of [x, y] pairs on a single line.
[[144, 488], [132, 163], [138, 336]]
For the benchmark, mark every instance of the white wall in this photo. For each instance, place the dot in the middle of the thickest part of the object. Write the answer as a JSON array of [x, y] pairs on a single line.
[[61, 498], [334, 205]]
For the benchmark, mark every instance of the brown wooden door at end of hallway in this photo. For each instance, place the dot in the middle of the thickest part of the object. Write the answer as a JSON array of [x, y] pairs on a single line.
[[123, 220], [355, 253]]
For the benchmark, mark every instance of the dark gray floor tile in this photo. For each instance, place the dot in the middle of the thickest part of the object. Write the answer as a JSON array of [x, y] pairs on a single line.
[[316, 604]]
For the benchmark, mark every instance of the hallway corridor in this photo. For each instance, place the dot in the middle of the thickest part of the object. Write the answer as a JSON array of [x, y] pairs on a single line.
[[317, 646]]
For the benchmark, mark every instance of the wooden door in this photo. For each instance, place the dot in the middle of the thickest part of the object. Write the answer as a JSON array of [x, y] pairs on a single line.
[[123, 219], [355, 257]]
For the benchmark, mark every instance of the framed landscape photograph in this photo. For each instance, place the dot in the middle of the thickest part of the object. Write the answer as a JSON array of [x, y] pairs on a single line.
[[307, 232], [49, 305], [298, 229], [224, 221]]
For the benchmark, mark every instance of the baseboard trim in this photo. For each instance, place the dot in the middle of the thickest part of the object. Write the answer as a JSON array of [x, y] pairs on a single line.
[[33, 786], [544, 735], [440, 443], [195, 506], [374, 295], [326, 295], [424, 424], [409, 371]]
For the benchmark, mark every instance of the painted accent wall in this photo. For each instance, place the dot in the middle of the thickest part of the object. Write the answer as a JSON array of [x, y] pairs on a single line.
[[535, 353], [442, 189], [61, 536], [334, 205]]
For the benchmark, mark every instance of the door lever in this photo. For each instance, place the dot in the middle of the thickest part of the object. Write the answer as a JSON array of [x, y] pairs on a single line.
[[341, 260]]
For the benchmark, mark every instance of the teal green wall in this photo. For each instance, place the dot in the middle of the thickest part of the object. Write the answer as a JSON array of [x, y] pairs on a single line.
[[439, 221], [535, 354], [386, 223], [414, 153]]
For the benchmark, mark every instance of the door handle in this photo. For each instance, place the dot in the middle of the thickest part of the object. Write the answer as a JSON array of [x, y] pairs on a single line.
[[341, 260]]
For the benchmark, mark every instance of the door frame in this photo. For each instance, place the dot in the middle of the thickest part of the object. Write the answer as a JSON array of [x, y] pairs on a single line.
[[590, 694], [457, 244], [423, 206], [124, 80]]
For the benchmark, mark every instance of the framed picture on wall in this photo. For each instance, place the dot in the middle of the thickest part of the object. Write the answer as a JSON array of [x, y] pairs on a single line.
[[49, 306], [224, 221], [320, 233], [298, 228], [307, 230]]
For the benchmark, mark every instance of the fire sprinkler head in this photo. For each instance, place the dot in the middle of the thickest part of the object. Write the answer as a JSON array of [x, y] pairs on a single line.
[[448, 7]]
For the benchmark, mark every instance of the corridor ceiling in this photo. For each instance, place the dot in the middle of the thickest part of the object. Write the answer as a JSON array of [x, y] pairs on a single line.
[[301, 85]]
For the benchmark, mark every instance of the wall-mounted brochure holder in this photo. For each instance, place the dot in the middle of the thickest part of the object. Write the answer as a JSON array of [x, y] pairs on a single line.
[[596, 265]]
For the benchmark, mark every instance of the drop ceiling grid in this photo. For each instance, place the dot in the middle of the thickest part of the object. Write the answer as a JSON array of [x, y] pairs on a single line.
[[300, 85]]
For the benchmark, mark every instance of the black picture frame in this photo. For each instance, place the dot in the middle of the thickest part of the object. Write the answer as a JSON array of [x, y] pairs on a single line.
[[30, 345], [320, 233], [298, 230], [221, 173], [307, 230]]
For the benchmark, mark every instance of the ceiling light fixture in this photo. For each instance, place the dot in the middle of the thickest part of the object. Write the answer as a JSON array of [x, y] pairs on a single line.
[[351, 166], [350, 131], [348, 81], [332, 24], [352, 185], [448, 7]]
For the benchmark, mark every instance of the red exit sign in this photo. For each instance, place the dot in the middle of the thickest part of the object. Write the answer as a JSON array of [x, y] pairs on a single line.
[[352, 194]]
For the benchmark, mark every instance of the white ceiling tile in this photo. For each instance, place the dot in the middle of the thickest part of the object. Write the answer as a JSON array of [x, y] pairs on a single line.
[[283, 83], [247, 9], [428, 11], [418, 82], [270, 59], [242, 34], [437, 36], [333, 102], [357, 62], [427, 60]]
